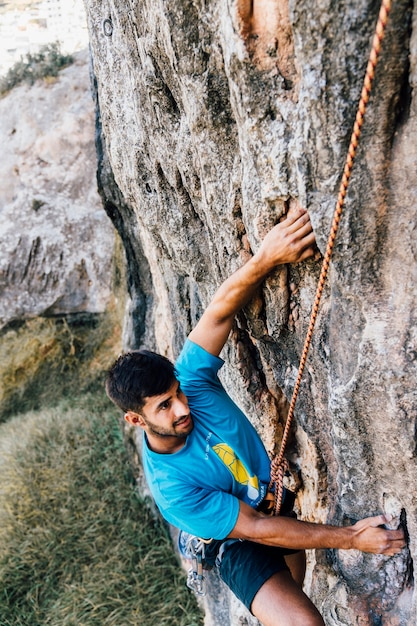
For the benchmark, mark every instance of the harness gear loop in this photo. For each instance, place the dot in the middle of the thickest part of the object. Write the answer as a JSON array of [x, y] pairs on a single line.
[[279, 465]]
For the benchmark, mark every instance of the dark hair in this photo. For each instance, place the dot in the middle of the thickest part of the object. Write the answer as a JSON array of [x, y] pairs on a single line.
[[137, 375]]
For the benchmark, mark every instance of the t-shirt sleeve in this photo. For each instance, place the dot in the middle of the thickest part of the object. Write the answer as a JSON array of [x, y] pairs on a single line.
[[202, 512], [197, 370], [195, 363]]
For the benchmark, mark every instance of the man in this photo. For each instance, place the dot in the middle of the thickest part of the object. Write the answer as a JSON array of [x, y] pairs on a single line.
[[206, 466]]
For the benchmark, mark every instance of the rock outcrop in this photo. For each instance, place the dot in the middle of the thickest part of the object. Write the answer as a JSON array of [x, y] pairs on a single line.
[[57, 244], [215, 118], [56, 253]]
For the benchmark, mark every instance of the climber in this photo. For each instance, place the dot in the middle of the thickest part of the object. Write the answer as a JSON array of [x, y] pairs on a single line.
[[206, 466]]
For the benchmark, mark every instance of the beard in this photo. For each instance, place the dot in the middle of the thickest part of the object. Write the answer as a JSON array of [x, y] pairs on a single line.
[[176, 430]]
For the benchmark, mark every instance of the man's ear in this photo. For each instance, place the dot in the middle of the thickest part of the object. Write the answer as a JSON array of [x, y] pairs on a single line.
[[134, 419]]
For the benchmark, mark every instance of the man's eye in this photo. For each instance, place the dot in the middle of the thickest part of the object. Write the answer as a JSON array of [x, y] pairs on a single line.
[[165, 405]]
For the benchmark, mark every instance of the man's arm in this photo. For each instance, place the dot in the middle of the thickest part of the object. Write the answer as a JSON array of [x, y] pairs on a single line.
[[366, 535], [290, 241]]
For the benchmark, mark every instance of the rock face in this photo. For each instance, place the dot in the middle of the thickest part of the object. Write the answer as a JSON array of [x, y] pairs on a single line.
[[57, 244], [216, 117]]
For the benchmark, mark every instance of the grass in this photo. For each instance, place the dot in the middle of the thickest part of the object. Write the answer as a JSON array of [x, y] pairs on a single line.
[[78, 545]]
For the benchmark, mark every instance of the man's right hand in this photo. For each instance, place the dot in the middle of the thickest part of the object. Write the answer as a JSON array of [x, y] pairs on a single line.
[[292, 240]]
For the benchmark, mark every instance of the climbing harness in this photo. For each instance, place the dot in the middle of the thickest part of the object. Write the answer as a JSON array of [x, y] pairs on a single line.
[[279, 465]]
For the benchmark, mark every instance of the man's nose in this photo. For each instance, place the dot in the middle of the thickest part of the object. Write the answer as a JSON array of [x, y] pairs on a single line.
[[181, 407]]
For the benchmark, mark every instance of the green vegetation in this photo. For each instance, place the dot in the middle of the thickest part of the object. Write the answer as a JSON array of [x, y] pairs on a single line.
[[45, 63], [78, 546], [46, 358]]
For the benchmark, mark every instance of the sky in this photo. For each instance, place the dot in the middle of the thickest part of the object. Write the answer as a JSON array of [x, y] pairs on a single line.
[[26, 25]]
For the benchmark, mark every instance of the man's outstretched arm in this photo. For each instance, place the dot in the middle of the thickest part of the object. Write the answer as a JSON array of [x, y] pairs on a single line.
[[366, 535], [290, 241]]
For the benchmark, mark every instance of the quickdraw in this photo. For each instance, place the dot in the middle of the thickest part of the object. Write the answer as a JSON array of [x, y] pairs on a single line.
[[196, 549]]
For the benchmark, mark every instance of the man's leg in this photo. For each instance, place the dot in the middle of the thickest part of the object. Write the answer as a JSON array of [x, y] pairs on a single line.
[[259, 576], [297, 565], [281, 602]]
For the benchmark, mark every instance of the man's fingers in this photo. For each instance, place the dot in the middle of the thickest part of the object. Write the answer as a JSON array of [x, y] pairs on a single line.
[[394, 546], [296, 219], [393, 551], [308, 248], [301, 228], [373, 537], [396, 537], [377, 520], [307, 254]]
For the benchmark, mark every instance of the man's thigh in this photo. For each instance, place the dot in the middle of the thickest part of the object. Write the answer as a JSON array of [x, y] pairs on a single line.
[[246, 566], [281, 602]]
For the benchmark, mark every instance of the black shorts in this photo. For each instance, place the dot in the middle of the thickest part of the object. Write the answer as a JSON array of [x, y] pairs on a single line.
[[245, 566]]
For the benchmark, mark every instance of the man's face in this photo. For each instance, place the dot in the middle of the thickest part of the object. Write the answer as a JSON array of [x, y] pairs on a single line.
[[168, 414]]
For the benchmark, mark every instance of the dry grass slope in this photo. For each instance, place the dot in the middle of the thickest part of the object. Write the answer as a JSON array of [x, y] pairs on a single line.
[[78, 546]]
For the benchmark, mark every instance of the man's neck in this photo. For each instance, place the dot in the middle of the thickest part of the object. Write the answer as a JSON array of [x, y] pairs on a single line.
[[164, 445]]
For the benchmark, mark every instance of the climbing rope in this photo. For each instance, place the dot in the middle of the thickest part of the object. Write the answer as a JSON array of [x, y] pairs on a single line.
[[279, 465]]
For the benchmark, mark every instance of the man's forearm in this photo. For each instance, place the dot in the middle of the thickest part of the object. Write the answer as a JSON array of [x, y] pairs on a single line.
[[214, 327], [367, 535], [238, 289], [289, 242], [286, 532]]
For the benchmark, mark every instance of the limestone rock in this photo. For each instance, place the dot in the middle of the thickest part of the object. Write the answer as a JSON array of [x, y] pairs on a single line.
[[56, 241], [216, 117]]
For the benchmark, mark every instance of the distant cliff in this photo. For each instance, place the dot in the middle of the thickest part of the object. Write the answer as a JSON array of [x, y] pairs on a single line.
[[213, 120], [57, 244]]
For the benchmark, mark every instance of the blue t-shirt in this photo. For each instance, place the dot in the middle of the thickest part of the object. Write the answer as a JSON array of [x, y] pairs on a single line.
[[198, 488]]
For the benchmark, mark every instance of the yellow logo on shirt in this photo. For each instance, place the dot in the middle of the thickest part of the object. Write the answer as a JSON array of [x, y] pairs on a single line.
[[237, 469]]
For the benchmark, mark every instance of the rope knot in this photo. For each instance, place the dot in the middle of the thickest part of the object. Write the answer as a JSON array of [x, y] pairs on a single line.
[[279, 467]]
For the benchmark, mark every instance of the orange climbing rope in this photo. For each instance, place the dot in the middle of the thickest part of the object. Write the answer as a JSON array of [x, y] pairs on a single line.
[[279, 464]]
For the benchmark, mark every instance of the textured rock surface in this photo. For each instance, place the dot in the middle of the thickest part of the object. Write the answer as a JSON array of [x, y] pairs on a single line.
[[214, 123], [56, 242]]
